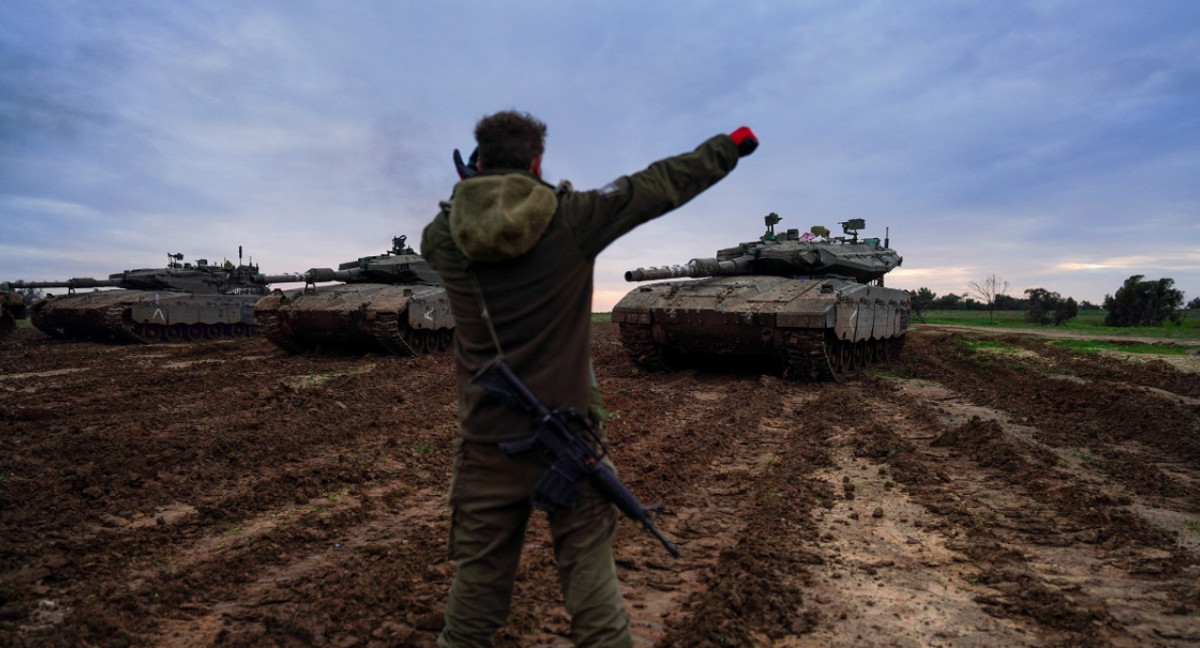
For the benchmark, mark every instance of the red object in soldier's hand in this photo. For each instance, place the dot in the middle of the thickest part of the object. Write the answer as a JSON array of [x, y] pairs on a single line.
[[745, 140]]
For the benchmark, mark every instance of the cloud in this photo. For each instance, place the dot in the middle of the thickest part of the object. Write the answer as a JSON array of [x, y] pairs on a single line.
[[1029, 140]]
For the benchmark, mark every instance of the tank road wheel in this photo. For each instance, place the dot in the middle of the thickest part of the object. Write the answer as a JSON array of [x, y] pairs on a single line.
[[196, 331], [214, 331], [153, 332], [237, 330], [410, 343], [174, 333], [446, 339]]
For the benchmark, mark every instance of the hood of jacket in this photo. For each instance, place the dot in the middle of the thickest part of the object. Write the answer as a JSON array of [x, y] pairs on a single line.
[[497, 217]]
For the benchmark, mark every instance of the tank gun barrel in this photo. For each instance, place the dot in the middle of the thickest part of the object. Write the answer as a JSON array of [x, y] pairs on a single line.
[[287, 277], [708, 267], [76, 282], [315, 275]]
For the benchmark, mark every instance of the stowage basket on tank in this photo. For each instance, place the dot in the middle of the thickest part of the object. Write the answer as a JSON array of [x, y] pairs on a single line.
[[812, 304]]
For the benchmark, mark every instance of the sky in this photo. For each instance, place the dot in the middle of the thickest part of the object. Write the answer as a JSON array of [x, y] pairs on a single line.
[[1053, 144]]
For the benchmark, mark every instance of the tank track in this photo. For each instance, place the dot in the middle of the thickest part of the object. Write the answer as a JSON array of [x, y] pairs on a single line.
[[814, 355], [396, 338], [38, 319], [117, 329], [807, 356], [387, 331], [643, 350], [272, 328]]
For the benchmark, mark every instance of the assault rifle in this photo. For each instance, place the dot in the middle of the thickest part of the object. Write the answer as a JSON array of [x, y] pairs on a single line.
[[558, 433]]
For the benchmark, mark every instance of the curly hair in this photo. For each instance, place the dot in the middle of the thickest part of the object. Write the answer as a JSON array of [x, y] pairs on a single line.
[[509, 140]]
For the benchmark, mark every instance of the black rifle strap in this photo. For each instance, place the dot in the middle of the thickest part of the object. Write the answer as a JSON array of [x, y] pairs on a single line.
[[483, 311]]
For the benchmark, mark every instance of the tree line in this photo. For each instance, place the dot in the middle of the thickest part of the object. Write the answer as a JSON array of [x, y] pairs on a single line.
[[1137, 302]]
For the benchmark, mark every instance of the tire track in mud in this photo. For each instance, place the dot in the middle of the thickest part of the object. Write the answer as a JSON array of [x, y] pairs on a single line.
[[1072, 404], [891, 575], [1057, 541], [119, 572], [686, 442], [388, 546], [754, 585]]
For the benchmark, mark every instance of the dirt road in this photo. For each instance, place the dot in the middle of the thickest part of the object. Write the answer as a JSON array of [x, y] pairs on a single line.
[[226, 494]]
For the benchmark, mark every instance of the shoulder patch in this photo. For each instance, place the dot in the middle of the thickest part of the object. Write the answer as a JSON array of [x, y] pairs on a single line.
[[610, 189]]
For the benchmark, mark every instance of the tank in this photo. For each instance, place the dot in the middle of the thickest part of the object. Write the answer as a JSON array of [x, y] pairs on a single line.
[[813, 305], [391, 303], [12, 308], [182, 301]]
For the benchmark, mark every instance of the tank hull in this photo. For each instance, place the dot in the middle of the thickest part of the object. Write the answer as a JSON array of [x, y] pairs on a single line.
[[814, 329], [144, 316], [402, 320]]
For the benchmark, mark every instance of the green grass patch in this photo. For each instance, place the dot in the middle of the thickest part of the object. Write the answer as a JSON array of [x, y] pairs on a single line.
[[601, 317], [1088, 323], [988, 345], [1096, 346]]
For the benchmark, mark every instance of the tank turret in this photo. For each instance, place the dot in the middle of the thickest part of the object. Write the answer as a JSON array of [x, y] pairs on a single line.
[[813, 303], [790, 255], [178, 302], [392, 302]]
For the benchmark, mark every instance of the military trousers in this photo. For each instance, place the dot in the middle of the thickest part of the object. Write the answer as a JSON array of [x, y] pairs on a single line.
[[490, 500]]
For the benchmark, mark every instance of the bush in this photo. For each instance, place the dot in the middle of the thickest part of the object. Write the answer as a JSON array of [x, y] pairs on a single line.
[[1143, 303], [1047, 307], [920, 301]]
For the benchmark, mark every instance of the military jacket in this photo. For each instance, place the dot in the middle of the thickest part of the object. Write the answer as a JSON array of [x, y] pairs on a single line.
[[532, 252]]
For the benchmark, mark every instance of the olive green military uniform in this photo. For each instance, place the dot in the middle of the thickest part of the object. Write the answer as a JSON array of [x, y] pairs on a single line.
[[531, 250]]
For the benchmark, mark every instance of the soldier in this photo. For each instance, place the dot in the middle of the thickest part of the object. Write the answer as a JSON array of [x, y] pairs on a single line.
[[517, 257]]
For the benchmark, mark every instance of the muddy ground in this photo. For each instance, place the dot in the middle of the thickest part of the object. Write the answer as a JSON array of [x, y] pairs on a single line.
[[226, 494]]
